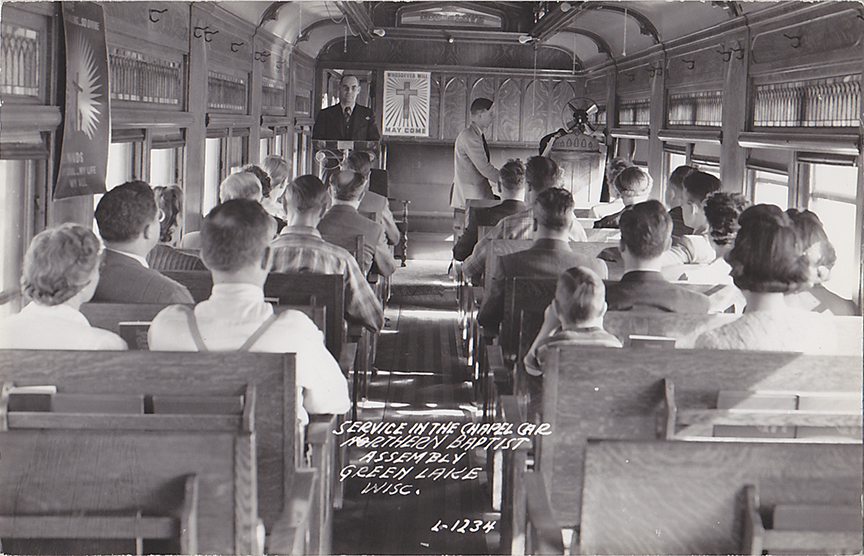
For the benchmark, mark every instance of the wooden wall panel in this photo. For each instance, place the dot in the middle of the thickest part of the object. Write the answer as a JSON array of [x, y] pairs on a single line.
[[455, 107], [561, 94], [434, 106], [535, 110], [508, 111]]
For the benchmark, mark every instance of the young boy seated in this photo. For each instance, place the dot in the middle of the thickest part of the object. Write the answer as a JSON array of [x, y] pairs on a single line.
[[574, 318]]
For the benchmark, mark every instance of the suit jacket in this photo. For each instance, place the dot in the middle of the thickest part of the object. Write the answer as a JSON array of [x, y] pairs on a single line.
[[122, 279], [649, 291], [330, 125], [342, 224], [165, 257], [378, 204], [472, 172], [488, 216], [547, 258]]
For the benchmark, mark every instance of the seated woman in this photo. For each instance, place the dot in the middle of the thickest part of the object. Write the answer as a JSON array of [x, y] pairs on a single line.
[[61, 271], [267, 189], [822, 258], [768, 261], [722, 210], [280, 173], [164, 256]]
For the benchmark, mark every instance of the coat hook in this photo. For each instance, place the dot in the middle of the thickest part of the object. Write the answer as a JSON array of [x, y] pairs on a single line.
[[796, 40], [235, 46], [630, 76], [155, 11], [739, 52], [197, 31], [727, 54], [261, 56], [690, 63], [207, 35]]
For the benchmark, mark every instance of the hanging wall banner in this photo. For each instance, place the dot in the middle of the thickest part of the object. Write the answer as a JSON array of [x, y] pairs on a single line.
[[86, 121], [406, 103]]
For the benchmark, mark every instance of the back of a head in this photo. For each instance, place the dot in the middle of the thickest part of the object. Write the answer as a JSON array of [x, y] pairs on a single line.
[[263, 177], [305, 194], [235, 235], [541, 173], [698, 185], [242, 185], [124, 212], [361, 162], [512, 175], [615, 167], [678, 175], [169, 199], [480, 105], [59, 263], [812, 233], [722, 210], [646, 229], [277, 168], [633, 182], [581, 295], [553, 209], [348, 185], [768, 254]]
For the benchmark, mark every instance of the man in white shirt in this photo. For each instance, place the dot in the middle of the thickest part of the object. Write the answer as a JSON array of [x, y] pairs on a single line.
[[235, 247]]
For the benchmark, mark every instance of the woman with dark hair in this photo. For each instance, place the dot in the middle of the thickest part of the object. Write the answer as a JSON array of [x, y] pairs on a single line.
[[722, 210], [822, 257], [164, 256], [61, 272], [768, 262], [279, 171]]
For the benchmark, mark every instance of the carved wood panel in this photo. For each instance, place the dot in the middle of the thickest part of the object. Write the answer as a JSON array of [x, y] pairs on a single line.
[[536, 106], [507, 111], [809, 40], [483, 88], [562, 93], [164, 24], [635, 79], [434, 105], [700, 66], [455, 107]]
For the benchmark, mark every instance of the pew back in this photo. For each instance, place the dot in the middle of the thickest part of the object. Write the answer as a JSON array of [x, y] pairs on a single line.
[[164, 373], [616, 394], [687, 497]]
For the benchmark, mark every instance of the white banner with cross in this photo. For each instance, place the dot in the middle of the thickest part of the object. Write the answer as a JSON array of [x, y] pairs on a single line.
[[406, 103]]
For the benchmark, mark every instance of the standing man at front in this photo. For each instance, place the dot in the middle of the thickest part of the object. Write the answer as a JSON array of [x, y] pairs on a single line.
[[473, 172], [346, 121]]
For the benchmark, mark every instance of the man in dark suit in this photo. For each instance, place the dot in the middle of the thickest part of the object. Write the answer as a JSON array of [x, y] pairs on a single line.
[[548, 257], [511, 189], [346, 121], [129, 225], [342, 224], [646, 232]]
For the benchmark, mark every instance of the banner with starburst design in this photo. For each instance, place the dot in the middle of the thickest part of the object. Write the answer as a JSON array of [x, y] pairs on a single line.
[[86, 119], [406, 103]]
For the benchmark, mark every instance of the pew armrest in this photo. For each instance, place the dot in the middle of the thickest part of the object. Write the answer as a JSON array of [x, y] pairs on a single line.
[[288, 535], [545, 533]]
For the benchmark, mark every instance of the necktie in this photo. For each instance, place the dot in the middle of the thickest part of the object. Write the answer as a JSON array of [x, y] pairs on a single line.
[[485, 146], [347, 113], [347, 123]]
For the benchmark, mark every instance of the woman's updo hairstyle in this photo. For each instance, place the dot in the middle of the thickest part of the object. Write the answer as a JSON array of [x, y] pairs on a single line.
[[169, 199], [59, 263], [768, 256], [722, 210]]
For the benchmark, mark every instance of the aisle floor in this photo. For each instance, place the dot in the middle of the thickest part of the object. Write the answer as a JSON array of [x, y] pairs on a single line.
[[421, 376]]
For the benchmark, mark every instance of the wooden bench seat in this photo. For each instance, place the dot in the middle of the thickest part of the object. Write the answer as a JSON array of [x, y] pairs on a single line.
[[157, 374]]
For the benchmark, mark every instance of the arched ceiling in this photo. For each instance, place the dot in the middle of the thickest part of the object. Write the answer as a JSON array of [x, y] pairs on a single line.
[[595, 31]]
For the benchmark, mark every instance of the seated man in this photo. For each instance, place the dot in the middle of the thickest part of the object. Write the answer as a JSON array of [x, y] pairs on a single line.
[[235, 247], [646, 232], [694, 248], [129, 225], [342, 224], [634, 186], [541, 173], [300, 248], [511, 189], [372, 202], [574, 318], [675, 198], [547, 258]]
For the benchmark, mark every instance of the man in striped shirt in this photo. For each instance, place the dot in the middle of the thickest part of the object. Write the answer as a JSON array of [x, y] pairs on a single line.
[[300, 248]]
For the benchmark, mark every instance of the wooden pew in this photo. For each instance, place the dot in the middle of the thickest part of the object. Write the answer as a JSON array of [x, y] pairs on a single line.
[[163, 373], [688, 497], [106, 457], [620, 394]]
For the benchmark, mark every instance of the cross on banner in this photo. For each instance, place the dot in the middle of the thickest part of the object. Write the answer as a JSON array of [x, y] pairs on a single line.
[[406, 93]]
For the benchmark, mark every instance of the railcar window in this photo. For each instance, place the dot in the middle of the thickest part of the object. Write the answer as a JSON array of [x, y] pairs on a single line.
[[121, 160], [212, 174], [832, 196], [770, 188], [16, 176], [166, 166]]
